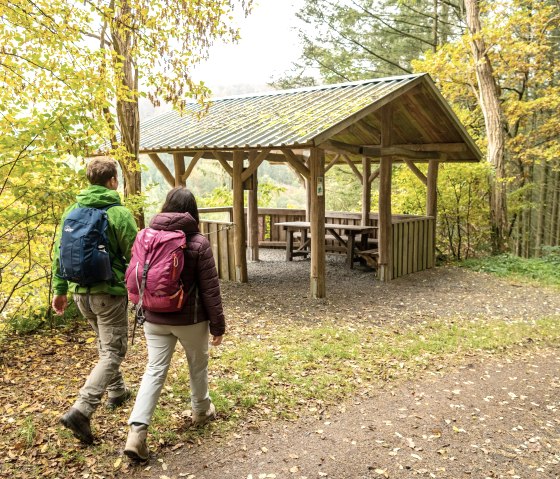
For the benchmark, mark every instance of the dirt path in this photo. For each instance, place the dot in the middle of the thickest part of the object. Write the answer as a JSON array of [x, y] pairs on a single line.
[[496, 418]]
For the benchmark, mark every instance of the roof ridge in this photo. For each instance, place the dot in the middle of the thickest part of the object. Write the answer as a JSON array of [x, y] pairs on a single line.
[[316, 87]]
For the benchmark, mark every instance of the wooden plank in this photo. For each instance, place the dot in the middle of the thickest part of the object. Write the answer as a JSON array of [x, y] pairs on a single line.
[[223, 266], [411, 232], [162, 168], [192, 164], [214, 240], [405, 249], [231, 252]]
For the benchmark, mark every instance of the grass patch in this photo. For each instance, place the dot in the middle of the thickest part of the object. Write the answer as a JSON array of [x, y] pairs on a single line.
[[277, 375], [543, 271]]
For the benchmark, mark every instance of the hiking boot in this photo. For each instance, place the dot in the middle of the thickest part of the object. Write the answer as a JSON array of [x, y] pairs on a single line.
[[78, 424], [201, 418], [114, 403], [136, 447]]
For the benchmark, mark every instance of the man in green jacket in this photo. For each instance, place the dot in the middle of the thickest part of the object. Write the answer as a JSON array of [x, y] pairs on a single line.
[[103, 304]]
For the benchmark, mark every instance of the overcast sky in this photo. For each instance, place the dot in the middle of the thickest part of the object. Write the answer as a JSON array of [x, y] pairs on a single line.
[[268, 46]]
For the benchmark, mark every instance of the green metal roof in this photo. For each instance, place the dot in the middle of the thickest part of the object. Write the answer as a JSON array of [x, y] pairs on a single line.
[[272, 119]]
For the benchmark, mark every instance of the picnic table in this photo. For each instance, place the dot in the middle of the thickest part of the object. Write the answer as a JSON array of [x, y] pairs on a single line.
[[346, 235]]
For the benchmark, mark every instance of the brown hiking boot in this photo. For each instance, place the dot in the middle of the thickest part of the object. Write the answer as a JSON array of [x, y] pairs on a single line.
[[201, 418], [78, 424], [114, 403], [136, 445]]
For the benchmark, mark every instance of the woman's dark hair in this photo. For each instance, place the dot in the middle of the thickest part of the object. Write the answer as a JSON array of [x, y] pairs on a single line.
[[180, 200]]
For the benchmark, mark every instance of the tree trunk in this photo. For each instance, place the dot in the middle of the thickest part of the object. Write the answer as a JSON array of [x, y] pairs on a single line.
[[494, 122], [128, 115], [541, 212]]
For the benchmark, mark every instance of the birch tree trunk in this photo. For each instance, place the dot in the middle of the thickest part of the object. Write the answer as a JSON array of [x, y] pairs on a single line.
[[494, 122]]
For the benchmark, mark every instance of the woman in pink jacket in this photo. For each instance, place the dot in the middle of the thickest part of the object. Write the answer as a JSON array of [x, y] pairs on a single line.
[[201, 316]]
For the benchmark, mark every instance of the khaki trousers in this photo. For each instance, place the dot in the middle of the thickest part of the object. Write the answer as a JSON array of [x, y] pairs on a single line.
[[108, 317], [161, 340]]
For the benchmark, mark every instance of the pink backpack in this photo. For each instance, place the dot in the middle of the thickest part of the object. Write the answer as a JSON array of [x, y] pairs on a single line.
[[153, 276]]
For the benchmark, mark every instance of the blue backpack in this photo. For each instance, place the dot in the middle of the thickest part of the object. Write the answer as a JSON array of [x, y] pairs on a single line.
[[84, 246]]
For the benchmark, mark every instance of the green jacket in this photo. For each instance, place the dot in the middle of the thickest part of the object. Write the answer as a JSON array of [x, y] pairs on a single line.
[[121, 234]]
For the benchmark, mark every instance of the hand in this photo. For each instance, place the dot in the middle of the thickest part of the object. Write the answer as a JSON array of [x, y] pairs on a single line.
[[216, 340], [59, 304]]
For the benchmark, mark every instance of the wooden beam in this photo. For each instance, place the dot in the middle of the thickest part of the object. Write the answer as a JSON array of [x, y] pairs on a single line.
[[239, 234], [416, 171], [162, 168], [366, 190], [255, 164], [179, 161], [385, 218], [295, 162], [333, 162], [253, 212], [340, 147], [299, 176], [317, 220], [353, 167], [225, 165], [374, 174], [440, 147], [431, 205], [378, 152], [192, 164]]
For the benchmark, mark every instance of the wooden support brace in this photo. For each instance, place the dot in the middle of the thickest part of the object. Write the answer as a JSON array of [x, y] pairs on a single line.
[[353, 167], [417, 172], [296, 163], [374, 175], [223, 162], [254, 164], [160, 165], [333, 162], [192, 164]]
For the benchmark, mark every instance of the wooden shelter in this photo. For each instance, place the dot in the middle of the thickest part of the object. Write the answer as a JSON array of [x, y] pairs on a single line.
[[372, 124]]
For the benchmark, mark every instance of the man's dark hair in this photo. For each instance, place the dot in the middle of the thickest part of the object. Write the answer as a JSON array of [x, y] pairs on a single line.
[[100, 170], [180, 200]]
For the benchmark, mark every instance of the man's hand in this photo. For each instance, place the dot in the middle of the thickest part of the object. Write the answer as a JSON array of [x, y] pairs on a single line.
[[59, 304], [216, 340]]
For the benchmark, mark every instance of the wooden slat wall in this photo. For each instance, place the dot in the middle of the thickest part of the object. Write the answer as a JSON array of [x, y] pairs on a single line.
[[412, 238], [412, 245], [220, 235]]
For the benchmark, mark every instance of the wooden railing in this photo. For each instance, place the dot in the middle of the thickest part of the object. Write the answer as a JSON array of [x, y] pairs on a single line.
[[412, 248]]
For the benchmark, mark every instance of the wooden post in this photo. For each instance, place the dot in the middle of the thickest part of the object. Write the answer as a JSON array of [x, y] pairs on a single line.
[[239, 219], [179, 161], [431, 204], [253, 214], [385, 215], [307, 196], [366, 190], [317, 220]]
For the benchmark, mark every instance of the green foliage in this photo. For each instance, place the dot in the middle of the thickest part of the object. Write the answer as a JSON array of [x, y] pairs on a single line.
[[543, 271]]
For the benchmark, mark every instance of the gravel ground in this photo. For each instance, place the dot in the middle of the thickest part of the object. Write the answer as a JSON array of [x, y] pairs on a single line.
[[487, 418]]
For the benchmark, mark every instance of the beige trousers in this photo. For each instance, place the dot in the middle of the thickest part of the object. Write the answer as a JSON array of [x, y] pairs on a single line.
[[108, 317], [161, 340]]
